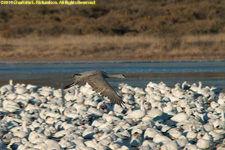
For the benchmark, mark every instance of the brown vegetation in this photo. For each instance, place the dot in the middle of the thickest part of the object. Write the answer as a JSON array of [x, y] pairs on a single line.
[[110, 48], [114, 30]]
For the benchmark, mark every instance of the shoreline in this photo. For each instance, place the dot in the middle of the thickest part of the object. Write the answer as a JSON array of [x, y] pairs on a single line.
[[75, 60], [113, 48]]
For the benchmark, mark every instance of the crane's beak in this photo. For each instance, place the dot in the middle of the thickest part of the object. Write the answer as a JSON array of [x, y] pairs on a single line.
[[109, 75]]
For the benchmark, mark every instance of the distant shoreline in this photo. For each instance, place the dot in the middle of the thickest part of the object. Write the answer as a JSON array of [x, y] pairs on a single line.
[[70, 60], [114, 30], [113, 48]]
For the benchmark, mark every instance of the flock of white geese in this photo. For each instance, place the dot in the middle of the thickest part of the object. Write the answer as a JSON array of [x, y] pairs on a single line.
[[189, 117]]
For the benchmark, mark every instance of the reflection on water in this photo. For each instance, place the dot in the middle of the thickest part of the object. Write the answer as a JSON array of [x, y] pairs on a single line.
[[138, 73]]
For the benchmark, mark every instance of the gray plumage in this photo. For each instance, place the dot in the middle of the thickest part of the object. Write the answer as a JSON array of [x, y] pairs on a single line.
[[96, 79]]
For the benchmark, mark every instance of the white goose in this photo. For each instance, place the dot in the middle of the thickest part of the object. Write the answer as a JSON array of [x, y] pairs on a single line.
[[138, 114]]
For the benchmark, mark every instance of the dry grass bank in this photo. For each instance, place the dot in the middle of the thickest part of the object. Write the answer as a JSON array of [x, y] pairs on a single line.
[[115, 17], [114, 30], [110, 48]]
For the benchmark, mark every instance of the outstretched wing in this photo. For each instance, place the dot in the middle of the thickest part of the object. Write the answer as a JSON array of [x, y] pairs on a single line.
[[100, 85]]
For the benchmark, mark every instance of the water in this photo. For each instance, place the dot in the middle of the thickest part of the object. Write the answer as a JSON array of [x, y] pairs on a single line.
[[138, 74]]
